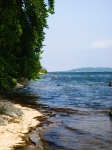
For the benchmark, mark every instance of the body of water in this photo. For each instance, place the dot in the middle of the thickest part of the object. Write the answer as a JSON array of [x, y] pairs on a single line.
[[80, 104]]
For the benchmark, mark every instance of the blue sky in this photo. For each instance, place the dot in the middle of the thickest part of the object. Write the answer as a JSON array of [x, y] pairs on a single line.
[[79, 35]]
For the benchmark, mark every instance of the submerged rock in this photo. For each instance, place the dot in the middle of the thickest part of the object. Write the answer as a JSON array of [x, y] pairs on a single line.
[[110, 112], [19, 86], [110, 84]]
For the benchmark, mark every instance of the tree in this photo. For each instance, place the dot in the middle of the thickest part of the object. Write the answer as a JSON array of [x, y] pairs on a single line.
[[43, 70], [21, 38]]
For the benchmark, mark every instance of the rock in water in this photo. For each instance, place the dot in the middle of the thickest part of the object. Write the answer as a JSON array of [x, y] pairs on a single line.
[[110, 84], [110, 113]]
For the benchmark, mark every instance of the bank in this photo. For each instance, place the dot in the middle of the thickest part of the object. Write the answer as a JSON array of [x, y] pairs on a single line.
[[15, 121]]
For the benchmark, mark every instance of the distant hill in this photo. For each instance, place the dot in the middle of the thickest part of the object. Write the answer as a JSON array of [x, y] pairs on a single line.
[[90, 69]]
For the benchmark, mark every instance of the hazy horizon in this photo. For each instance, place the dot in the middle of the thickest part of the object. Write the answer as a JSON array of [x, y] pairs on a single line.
[[83, 68]]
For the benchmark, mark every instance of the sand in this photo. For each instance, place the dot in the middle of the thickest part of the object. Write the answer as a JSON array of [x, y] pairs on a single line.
[[15, 122]]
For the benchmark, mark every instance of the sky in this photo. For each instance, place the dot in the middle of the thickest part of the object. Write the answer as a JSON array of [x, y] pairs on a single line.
[[79, 35]]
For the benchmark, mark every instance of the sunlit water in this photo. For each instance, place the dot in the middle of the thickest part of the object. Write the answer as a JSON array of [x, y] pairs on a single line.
[[81, 103]]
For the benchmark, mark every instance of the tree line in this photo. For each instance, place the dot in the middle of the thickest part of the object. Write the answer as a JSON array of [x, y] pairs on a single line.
[[21, 39]]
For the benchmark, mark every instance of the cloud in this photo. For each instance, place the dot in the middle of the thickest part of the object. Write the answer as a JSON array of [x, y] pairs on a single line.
[[102, 44]]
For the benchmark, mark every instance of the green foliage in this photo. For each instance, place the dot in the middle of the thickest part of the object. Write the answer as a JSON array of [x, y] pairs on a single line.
[[2, 110], [43, 70], [21, 39]]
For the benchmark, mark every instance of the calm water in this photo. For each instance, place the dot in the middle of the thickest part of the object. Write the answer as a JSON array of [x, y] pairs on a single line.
[[80, 102]]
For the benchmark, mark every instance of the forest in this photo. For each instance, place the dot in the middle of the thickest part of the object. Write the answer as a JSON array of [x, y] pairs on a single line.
[[21, 39]]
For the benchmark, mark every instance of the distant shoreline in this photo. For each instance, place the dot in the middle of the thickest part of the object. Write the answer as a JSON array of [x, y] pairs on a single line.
[[88, 69], [91, 69]]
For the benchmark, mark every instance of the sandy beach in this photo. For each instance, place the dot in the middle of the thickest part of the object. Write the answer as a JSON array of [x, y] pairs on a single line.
[[15, 122]]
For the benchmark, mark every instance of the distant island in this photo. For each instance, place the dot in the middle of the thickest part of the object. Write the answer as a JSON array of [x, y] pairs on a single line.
[[91, 69]]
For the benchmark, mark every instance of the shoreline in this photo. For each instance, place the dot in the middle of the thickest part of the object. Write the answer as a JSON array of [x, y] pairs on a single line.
[[15, 122]]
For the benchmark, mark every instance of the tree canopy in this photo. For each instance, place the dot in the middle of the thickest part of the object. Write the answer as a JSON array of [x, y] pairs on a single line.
[[21, 38]]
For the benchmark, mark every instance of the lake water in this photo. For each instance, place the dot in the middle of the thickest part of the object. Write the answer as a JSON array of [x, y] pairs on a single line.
[[80, 104]]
